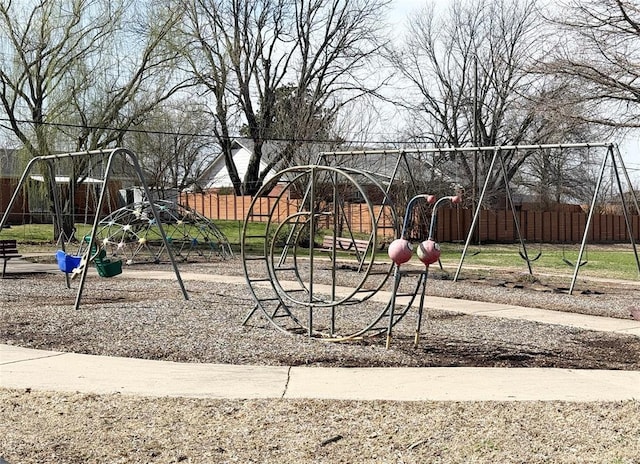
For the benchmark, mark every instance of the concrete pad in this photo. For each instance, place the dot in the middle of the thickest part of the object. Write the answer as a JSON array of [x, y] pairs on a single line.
[[101, 374], [463, 384]]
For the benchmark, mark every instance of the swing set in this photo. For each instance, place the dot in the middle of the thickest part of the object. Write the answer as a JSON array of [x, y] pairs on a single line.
[[73, 265], [612, 159]]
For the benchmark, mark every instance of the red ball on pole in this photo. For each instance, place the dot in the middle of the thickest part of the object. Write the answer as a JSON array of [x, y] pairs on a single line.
[[400, 251], [429, 252]]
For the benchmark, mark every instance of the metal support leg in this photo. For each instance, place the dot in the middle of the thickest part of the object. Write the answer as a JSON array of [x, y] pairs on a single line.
[[423, 278], [392, 304]]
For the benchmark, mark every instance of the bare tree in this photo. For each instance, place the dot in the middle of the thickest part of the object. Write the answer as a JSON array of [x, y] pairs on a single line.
[[78, 73], [244, 51], [470, 84], [174, 144], [41, 45], [133, 74], [599, 53]]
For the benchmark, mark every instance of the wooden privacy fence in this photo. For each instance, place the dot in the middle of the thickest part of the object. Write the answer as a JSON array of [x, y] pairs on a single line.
[[34, 206], [494, 226]]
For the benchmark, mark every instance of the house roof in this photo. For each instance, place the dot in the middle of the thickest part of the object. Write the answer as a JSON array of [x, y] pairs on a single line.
[[270, 151]]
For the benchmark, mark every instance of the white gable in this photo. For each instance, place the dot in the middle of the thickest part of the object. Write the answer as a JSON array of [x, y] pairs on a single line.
[[217, 175]]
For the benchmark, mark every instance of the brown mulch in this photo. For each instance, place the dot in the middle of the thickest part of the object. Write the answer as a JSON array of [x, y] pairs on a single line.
[[131, 317]]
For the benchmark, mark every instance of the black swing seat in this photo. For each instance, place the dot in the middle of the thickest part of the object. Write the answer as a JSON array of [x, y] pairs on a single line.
[[569, 263], [529, 258]]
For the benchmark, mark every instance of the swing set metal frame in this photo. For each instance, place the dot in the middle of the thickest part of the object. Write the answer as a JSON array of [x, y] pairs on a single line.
[[49, 161], [612, 158]]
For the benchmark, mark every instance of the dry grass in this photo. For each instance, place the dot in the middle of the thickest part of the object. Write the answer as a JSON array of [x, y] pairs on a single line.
[[79, 428]]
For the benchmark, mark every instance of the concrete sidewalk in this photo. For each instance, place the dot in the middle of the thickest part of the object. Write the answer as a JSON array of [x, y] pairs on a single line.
[[54, 371]]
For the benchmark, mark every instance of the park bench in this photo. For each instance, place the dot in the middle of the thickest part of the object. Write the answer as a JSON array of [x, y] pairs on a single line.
[[8, 250], [345, 244]]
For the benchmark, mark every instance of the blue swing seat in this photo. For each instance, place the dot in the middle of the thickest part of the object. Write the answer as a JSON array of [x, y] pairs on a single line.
[[66, 262]]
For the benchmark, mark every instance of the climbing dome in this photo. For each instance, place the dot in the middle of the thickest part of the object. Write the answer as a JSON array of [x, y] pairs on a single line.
[[309, 253], [132, 234]]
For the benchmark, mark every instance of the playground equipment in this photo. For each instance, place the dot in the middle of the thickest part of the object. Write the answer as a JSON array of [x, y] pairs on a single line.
[[286, 288], [68, 263], [295, 302], [400, 252], [296, 284], [106, 158], [612, 159], [131, 233]]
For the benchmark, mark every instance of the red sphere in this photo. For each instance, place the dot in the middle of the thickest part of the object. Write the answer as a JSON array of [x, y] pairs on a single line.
[[431, 199], [400, 251], [457, 199], [429, 252]]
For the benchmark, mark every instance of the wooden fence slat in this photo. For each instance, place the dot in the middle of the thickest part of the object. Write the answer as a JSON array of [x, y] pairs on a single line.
[[452, 225]]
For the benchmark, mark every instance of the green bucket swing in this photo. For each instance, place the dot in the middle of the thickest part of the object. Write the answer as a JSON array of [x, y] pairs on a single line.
[[104, 266]]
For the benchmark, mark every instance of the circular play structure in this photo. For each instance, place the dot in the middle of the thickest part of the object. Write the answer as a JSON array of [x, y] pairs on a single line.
[[131, 234], [292, 298]]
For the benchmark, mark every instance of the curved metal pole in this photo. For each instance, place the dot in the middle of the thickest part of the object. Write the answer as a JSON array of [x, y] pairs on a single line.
[[432, 226], [397, 275], [407, 214]]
